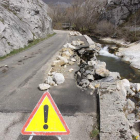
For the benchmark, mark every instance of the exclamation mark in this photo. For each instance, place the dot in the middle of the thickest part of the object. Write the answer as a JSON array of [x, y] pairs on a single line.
[[46, 108]]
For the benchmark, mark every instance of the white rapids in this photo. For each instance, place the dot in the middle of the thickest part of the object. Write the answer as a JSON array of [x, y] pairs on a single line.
[[104, 51]]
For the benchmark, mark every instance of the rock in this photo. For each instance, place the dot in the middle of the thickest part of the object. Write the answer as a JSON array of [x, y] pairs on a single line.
[[58, 63], [137, 87], [107, 79], [62, 59], [90, 77], [130, 106], [92, 63], [91, 86], [22, 22], [44, 86], [68, 45], [131, 118], [126, 83], [58, 78], [84, 83], [73, 60], [121, 88], [115, 75], [66, 54], [89, 72], [70, 70], [102, 72], [50, 81], [129, 91], [118, 11], [89, 40], [138, 95], [77, 43]]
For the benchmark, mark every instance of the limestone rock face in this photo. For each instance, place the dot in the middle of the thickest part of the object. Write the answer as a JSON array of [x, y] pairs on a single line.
[[118, 10], [22, 21]]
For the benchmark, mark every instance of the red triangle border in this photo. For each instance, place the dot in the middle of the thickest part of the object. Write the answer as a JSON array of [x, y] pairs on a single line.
[[35, 110]]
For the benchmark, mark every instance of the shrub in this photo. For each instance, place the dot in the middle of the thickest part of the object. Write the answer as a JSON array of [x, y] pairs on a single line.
[[105, 28]]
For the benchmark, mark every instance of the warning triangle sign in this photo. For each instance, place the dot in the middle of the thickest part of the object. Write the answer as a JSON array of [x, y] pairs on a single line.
[[45, 119]]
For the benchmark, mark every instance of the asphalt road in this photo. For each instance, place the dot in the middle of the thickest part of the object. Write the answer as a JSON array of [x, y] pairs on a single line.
[[19, 93], [21, 68]]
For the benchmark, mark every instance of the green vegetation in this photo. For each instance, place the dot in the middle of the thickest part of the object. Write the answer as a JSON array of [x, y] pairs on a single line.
[[135, 137], [34, 42], [94, 133]]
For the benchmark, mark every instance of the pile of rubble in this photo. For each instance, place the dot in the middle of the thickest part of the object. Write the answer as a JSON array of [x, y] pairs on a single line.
[[66, 57]]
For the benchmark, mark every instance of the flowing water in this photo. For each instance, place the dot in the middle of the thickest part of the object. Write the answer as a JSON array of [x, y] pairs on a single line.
[[115, 64]]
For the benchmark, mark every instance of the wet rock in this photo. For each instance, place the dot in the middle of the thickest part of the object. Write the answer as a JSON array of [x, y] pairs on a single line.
[[58, 78], [44, 86], [84, 83]]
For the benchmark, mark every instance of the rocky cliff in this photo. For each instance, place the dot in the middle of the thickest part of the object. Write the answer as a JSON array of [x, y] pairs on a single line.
[[117, 11], [22, 21]]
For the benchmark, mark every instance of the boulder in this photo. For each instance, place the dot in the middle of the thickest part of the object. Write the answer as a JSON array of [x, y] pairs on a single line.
[[58, 63], [50, 81], [58, 78], [44, 86]]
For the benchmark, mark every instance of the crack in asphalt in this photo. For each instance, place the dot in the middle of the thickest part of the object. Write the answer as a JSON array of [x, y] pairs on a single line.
[[15, 122]]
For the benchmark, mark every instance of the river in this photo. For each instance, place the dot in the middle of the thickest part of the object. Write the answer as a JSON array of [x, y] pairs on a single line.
[[115, 64]]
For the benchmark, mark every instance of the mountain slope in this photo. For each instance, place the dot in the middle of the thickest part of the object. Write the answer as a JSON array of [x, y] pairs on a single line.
[[22, 21]]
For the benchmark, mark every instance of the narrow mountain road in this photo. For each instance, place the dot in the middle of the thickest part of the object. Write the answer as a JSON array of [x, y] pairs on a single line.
[[22, 68], [19, 92]]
